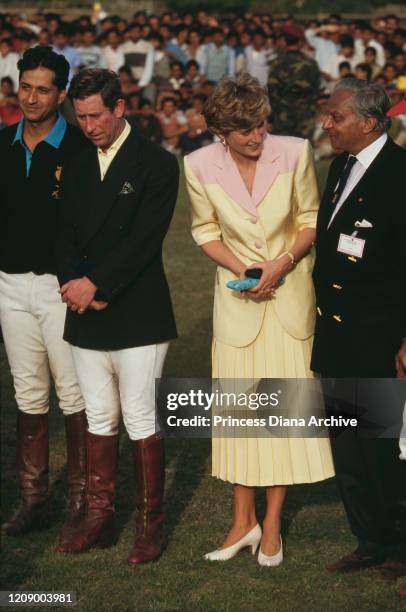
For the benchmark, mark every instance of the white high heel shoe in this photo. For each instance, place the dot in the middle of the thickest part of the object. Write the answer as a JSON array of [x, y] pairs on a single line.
[[252, 538], [273, 560]]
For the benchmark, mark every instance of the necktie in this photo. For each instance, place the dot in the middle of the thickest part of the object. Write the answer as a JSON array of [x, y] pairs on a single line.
[[343, 179]]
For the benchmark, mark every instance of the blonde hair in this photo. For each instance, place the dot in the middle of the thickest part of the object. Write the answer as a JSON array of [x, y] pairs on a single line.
[[236, 104]]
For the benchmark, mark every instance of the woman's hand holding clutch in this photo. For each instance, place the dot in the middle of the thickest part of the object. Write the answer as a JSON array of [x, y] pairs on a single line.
[[272, 272]]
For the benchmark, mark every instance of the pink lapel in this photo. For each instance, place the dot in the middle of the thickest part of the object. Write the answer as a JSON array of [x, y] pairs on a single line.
[[229, 178], [268, 168]]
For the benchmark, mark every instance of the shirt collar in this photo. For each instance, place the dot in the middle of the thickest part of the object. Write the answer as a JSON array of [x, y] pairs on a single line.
[[53, 138], [367, 155], [118, 142]]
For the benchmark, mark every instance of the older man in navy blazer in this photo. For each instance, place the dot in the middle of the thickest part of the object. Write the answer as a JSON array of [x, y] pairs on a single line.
[[361, 323]]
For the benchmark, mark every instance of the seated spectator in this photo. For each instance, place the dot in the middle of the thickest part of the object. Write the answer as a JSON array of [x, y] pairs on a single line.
[[344, 70], [399, 59], [162, 64], [171, 44], [113, 55], [176, 78], [381, 80], [6, 87], [219, 58], [193, 49], [186, 96], [390, 51], [138, 55], [370, 58], [128, 84], [399, 38], [179, 43], [256, 58], [90, 54], [147, 123], [346, 54], [54, 23], [75, 35], [391, 74], [207, 87], [367, 39], [133, 101], [44, 38], [70, 53], [324, 40], [173, 124], [363, 72], [26, 40], [192, 74], [10, 112], [197, 135]]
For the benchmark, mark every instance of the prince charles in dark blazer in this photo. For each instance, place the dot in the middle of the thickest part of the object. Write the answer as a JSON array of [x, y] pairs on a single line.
[[117, 200], [359, 277]]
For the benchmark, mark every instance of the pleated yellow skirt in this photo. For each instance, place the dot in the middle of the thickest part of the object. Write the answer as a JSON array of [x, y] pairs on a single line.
[[268, 461]]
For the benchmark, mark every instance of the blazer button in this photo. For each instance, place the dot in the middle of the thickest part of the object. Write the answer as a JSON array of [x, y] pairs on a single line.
[[121, 227], [254, 220], [360, 200], [84, 256], [258, 245]]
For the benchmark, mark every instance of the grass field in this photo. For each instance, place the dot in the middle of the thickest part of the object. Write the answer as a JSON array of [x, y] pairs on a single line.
[[198, 507]]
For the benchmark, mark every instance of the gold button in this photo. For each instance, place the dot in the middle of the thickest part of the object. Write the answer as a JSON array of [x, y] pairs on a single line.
[[351, 258], [360, 200], [337, 318], [319, 311], [335, 286]]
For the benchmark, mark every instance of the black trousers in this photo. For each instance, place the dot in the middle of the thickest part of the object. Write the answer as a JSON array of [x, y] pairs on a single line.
[[370, 476]]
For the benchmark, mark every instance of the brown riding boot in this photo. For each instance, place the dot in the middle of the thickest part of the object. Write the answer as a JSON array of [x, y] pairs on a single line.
[[97, 528], [149, 459], [75, 427], [32, 464]]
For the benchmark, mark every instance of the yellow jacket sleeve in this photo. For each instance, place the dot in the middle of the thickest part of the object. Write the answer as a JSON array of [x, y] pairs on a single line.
[[205, 225], [306, 192]]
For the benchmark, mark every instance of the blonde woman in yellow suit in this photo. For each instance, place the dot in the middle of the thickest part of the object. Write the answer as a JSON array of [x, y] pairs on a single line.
[[254, 204]]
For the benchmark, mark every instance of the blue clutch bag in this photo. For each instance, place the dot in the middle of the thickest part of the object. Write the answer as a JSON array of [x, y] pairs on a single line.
[[246, 284], [242, 284]]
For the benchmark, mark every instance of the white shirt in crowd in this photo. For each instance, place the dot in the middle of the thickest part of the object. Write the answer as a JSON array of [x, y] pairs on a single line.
[[335, 61], [8, 67], [257, 63], [364, 160], [139, 57], [92, 57], [324, 49], [199, 57], [360, 47], [114, 58]]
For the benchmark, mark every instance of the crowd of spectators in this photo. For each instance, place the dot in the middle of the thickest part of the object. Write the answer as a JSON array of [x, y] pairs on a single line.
[[168, 64]]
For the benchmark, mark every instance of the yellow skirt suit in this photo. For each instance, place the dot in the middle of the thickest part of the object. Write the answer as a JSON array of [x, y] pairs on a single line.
[[268, 339]]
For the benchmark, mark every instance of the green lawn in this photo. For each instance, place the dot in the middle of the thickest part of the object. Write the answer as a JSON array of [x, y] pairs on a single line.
[[198, 507]]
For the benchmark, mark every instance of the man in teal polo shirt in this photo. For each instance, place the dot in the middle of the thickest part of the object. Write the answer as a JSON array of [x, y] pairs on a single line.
[[33, 154]]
